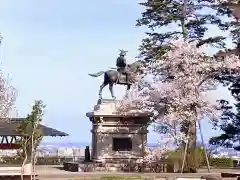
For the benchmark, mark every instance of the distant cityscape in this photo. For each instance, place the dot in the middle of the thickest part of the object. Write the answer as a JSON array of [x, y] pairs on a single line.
[[76, 150], [216, 151]]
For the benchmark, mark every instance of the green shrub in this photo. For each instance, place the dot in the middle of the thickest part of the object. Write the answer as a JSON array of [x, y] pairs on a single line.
[[48, 161], [40, 160], [221, 162], [15, 160], [176, 157], [235, 163]]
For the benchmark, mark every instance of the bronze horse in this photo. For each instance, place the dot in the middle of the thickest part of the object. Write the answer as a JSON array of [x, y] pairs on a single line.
[[112, 77]]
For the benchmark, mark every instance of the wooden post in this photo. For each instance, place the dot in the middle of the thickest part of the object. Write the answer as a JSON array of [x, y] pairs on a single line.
[[204, 148], [185, 154]]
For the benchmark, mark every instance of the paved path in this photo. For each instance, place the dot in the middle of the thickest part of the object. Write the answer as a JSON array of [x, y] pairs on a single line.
[[54, 172]]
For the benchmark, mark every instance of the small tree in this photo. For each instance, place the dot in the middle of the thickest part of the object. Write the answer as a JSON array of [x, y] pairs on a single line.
[[178, 92], [32, 134]]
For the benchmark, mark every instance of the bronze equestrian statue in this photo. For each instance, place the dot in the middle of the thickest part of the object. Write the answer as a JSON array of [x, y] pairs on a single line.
[[125, 74], [121, 64]]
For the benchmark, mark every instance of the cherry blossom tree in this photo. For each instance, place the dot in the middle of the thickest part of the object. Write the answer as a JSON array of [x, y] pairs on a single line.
[[178, 92], [7, 97], [7, 94]]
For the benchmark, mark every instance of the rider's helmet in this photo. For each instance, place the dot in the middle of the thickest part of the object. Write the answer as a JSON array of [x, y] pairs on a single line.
[[122, 53], [235, 10], [238, 43]]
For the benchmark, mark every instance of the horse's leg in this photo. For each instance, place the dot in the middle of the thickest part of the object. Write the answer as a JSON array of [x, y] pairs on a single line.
[[128, 87], [106, 81], [111, 90], [100, 90]]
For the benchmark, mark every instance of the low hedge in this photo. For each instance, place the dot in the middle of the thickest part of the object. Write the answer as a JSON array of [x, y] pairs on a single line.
[[235, 163], [221, 162], [214, 162], [200, 159], [40, 160]]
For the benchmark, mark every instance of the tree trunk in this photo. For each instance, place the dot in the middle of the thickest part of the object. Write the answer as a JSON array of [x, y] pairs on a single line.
[[190, 165], [183, 23], [28, 164]]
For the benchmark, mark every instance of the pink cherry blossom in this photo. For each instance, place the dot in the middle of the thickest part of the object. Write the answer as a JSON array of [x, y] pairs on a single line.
[[183, 97], [7, 97]]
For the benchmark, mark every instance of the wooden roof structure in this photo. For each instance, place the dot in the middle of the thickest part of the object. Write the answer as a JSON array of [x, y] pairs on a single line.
[[9, 128], [9, 134]]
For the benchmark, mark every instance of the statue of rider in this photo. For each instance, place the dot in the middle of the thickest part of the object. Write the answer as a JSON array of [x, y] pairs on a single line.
[[238, 43], [238, 47], [121, 64]]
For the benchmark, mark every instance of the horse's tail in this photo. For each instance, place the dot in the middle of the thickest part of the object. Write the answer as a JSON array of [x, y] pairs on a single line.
[[97, 74]]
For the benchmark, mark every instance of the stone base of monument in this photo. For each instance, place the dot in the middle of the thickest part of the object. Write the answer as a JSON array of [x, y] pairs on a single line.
[[119, 140], [162, 167], [117, 137], [90, 167], [99, 167]]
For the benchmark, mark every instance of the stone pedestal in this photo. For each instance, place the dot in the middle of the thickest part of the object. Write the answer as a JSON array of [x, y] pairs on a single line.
[[117, 137]]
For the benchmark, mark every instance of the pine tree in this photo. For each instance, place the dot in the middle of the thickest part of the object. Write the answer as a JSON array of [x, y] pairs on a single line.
[[185, 18], [231, 9], [230, 121]]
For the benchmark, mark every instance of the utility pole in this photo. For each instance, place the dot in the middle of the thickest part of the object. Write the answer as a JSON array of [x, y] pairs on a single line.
[[1, 38]]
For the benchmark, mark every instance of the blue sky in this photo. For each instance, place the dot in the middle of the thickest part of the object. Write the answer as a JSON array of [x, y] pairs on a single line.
[[50, 46]]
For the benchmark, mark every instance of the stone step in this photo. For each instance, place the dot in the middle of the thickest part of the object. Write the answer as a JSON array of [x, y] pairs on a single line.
[[101, 169], [103, 166], [117, 165], [109, 169]]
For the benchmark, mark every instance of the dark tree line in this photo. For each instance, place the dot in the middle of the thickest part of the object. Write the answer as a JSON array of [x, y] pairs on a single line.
[[230, 120], [167, 20]]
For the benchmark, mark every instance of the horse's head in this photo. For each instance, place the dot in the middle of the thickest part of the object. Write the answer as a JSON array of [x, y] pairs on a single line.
[[137, 67], [227, 52], [134, 69]]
